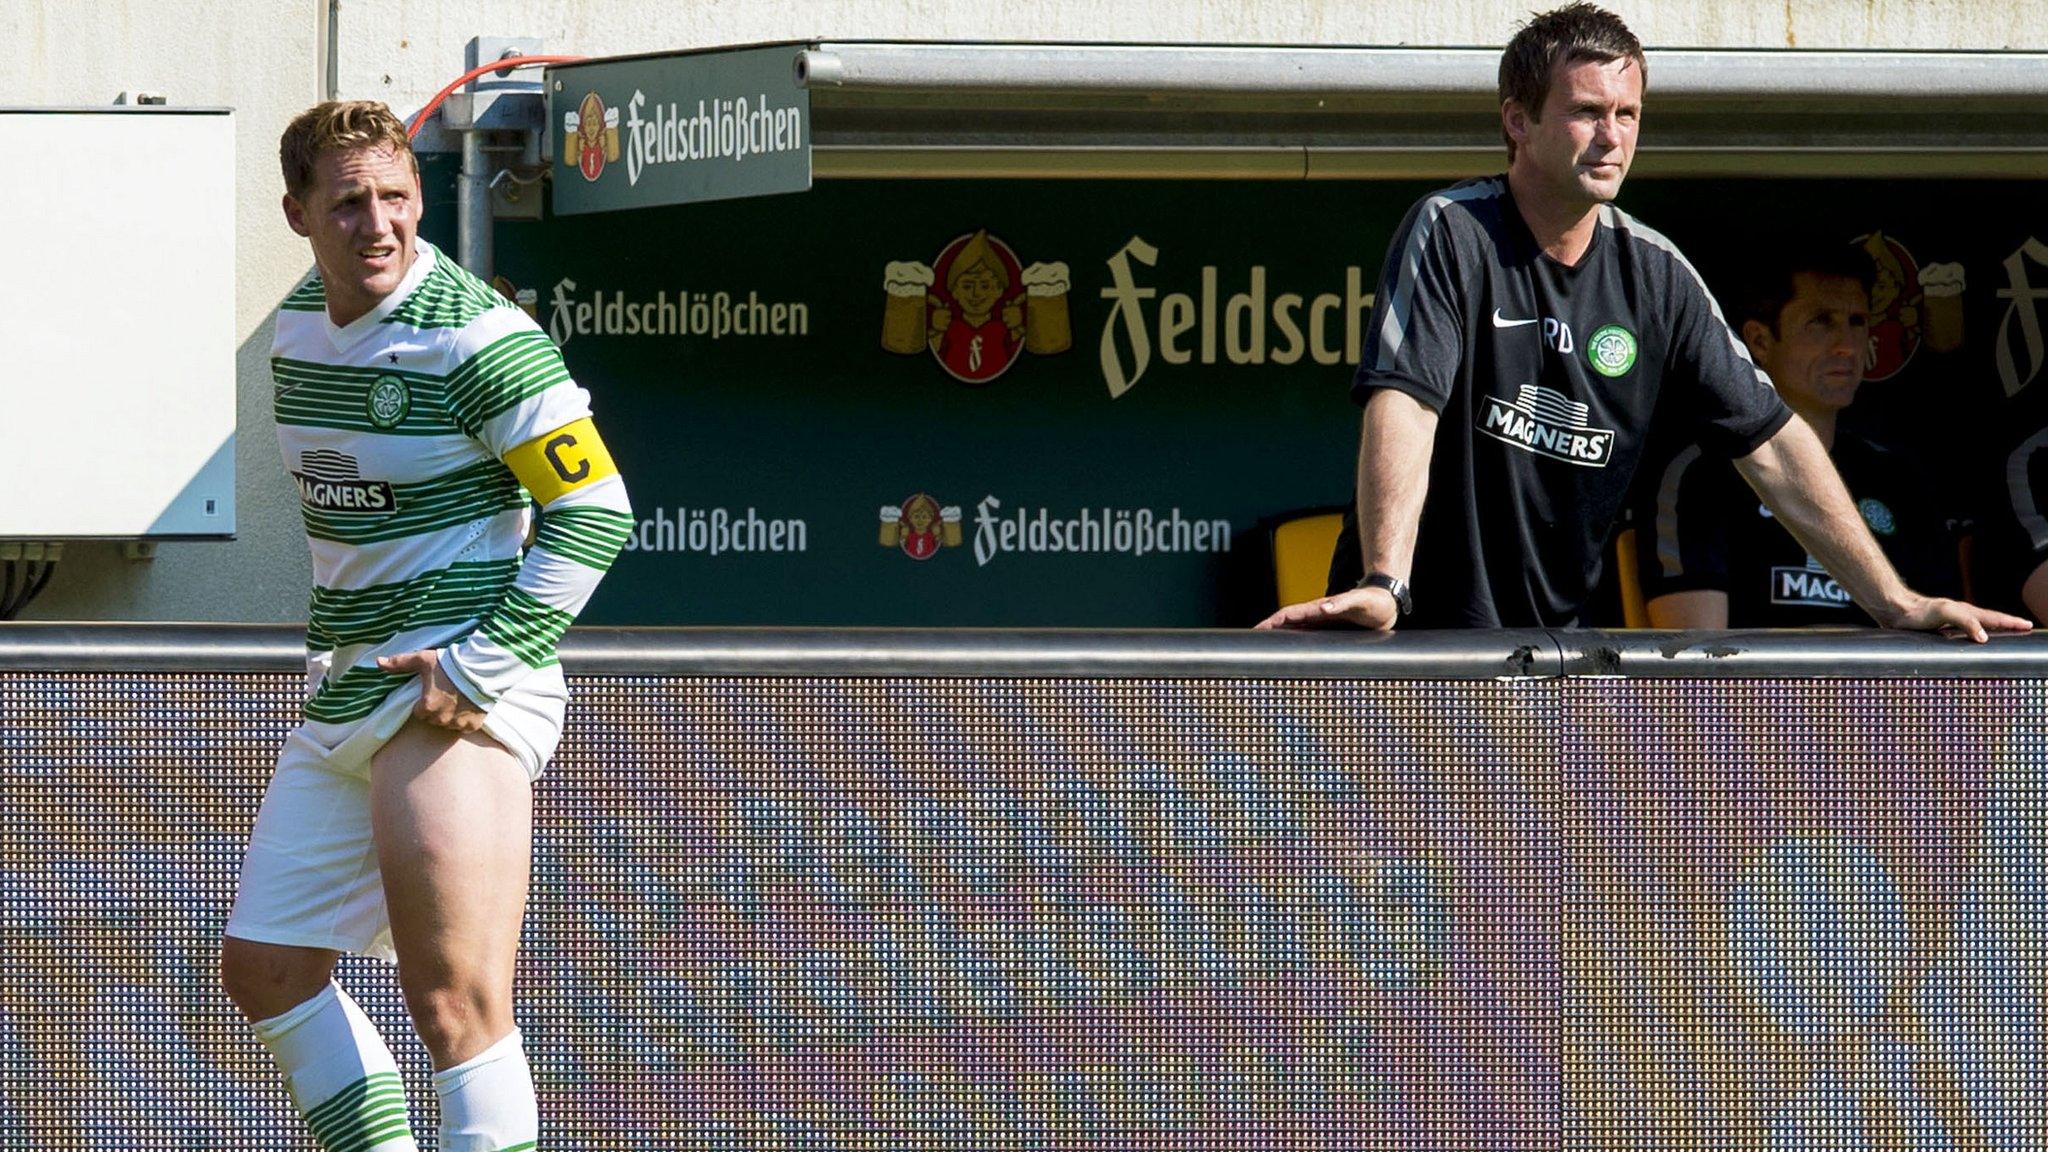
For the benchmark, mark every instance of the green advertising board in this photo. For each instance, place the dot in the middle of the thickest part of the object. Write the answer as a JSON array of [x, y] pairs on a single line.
[[678, 128], [1073, 403]]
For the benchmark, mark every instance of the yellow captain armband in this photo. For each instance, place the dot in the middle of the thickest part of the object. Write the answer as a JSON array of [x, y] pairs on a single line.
[[571, 457]]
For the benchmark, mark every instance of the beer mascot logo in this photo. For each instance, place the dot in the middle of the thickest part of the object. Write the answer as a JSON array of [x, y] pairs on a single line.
[[920, 527], [975, 308], [1909, 305], [590, 136], [526, 298]]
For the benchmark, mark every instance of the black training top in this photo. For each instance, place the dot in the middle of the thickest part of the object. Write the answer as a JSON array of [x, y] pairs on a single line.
[[1545, 380], [2013, 535], [1701, 528]]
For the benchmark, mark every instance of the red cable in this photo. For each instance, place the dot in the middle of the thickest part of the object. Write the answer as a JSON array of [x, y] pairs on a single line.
[[505, 65]]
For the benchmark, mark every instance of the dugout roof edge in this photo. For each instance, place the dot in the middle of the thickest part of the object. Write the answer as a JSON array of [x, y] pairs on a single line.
[[893, 108]]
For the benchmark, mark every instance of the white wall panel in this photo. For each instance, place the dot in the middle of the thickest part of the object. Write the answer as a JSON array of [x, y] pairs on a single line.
[[120, 391]]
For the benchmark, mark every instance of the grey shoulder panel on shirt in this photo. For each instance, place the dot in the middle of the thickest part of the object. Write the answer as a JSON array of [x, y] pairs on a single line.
[[1406, 262], [2026, 506], [1635, 231]]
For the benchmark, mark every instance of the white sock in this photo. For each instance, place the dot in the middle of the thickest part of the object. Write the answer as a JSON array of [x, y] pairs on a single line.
[[340, 1074], [487, 1101]]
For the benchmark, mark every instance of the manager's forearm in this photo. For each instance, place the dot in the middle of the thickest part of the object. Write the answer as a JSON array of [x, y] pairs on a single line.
[[1394, 446], [1797, 481]]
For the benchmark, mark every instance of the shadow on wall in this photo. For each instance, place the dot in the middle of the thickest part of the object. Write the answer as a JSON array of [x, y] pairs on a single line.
[[261, 576]]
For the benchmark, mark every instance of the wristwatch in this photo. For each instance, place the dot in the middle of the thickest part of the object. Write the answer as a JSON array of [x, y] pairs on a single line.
[[1398, 590]]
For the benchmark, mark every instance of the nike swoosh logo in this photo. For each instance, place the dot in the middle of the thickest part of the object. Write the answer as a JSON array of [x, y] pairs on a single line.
[[1500, 322]]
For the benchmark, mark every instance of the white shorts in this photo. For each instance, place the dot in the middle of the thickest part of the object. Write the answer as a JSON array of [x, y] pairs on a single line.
[[310, 876]]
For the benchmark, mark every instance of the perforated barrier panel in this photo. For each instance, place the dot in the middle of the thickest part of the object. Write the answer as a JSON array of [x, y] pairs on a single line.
[[1230, 914]]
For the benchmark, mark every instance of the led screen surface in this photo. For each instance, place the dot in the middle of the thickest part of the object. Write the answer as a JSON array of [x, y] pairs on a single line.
[[1092, 913]]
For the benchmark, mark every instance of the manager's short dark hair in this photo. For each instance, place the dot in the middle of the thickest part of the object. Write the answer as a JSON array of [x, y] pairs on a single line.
[[1772, 279], [1564, 35]]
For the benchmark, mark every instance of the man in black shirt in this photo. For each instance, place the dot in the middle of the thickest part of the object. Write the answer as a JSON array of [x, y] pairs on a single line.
[[1709, 555], [1525, 332], [2010, 560]]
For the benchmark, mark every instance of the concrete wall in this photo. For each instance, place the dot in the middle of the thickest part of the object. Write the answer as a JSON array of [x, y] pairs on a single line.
[[267, 59], [261, 59]]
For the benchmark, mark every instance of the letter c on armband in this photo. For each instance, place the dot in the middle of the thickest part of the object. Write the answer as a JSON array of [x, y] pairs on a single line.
[[553, 451], [559, 462]]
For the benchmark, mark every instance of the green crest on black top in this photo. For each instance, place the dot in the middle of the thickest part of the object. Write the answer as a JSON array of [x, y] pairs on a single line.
[[1612, 350]]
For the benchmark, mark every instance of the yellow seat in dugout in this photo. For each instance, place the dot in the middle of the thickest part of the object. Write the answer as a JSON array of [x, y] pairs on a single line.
[[1302, 542], [1634, 612]]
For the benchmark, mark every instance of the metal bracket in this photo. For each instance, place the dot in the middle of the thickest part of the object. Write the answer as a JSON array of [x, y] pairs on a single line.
[[32, 551], [511, 110]]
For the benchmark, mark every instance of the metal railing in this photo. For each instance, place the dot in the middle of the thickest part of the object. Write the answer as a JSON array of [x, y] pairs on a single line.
[[1185, 653]]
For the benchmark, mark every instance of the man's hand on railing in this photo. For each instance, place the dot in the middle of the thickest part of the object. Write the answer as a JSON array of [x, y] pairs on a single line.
[[1372, 608], [1955, 618]]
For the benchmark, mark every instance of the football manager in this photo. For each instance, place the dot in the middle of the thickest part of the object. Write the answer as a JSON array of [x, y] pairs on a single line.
[[1526, 334]]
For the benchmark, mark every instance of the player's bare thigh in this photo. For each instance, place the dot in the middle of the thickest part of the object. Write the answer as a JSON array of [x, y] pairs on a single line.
[[453, 819]]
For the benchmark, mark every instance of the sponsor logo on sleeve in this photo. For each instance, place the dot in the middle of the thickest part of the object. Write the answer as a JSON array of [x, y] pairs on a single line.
[[1878, 516], [976, 308], [331, 481], [1546, 422]]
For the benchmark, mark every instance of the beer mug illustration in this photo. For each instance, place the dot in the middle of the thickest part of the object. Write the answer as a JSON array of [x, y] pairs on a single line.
[[1047, 328], [526, 298], [1941, 286], [920, 526], [907, 283]]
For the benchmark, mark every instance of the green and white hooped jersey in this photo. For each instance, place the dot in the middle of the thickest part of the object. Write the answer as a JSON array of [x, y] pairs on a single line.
[[415, 434]]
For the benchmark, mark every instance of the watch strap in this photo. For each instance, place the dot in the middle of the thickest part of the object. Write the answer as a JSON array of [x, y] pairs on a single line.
[[1394, 586]]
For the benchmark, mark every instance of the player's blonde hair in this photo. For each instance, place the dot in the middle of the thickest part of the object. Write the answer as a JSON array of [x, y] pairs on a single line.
[[338, 125]]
